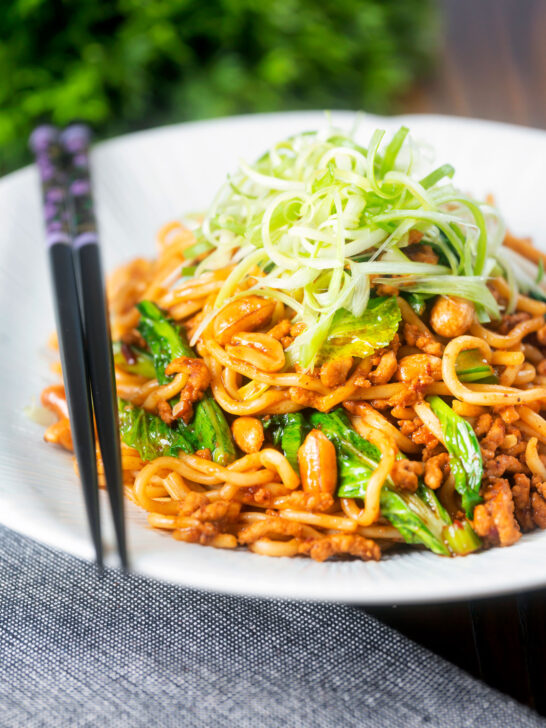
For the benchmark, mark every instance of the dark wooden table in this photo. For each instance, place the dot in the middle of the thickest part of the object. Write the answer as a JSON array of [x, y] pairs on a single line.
[[492, 65]]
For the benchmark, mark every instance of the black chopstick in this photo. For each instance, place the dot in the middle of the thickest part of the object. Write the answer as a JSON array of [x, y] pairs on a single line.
[[44, 142], [75, 142]]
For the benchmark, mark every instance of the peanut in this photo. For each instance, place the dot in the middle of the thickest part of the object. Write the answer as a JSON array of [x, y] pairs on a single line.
[[248, 433], [451, 316], [317, 463]]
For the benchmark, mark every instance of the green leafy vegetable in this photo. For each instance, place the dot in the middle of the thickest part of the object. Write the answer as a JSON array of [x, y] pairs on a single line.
[[166, 342], [465, 456], [152, 437], [288, 431], [337, 428], [408, 512], [461, 538], [137, 362], [212, 431], [163, 338], [419, 516], [472, 367], [361, 336]]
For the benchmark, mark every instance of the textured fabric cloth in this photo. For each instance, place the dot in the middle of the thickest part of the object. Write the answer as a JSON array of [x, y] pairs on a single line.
[[80, 650]]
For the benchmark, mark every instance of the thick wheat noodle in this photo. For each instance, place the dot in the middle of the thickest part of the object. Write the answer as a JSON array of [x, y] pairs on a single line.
[[277, 380], [490, 395], [429, 419], [525, 247], [532, 458], [371, 417], [523, 303], [515, 336], [410, 317], [320, 520], [508, 377], [269, 547], [264, 484]]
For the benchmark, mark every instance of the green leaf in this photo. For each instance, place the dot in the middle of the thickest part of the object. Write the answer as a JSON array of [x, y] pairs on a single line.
[[461, 538], [465, 456], [410, 513], [138, 362], [163, 338], [152, 437], [361, 336], [472, 367], [288, 431], [337, 428]]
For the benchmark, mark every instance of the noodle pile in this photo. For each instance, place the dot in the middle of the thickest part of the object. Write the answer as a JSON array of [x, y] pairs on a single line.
[[275, 507]]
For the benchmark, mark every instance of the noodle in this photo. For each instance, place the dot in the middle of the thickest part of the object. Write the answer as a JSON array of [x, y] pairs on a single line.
[[245, 328]]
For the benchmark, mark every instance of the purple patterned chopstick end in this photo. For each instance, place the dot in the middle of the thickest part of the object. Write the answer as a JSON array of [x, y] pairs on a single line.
[[76, 138]]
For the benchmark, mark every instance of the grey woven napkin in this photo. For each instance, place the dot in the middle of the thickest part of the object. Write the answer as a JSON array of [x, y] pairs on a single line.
[[78, 650]]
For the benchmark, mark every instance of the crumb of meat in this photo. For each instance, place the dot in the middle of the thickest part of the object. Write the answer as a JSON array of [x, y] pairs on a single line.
[[483, 424], [405, 474], [509, 415], [496, 467], [510, 320], [421, 253], [437, 470], [521, 493], [198, 379], [494, 520], [385, 369], [272, 526], [165, 412], [415, 337], [204, 453], [299, 500], [280, 329], [341, 543], [494, 435], [538, 505]]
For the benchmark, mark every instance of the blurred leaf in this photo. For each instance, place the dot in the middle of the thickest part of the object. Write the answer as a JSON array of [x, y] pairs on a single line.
[[128, 64]]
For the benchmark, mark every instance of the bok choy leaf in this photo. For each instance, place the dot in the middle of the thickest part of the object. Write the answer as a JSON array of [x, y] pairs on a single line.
[[465, 456]]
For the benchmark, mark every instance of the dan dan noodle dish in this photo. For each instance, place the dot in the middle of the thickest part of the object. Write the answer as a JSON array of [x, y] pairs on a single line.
[[345, 353]]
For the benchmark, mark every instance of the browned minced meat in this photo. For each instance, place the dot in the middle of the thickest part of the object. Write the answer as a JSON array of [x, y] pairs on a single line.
[[282, 328], [494, 520], [197, 382], [483, 424], [165, 412], [494, 431], [421, 253], [521, 493], [499, 465], [385, 368], [538, 505], [272, 526], [436, 470], [405, 474], [415, 337], [309, 501], [417, 432], [508, 415], [341, 543], [510, 320]]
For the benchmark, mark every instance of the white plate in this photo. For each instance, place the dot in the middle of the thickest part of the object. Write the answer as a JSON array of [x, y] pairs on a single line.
[[141, 181]]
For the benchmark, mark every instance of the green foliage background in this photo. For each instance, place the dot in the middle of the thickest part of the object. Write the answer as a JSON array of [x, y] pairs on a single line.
[[129, 64]]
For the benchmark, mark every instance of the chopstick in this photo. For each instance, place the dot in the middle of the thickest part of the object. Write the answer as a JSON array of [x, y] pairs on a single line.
[[44, 142], [65, 159], [75, 142]]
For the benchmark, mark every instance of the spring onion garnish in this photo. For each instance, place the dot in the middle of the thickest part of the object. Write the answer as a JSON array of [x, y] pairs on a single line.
[[317, 215]]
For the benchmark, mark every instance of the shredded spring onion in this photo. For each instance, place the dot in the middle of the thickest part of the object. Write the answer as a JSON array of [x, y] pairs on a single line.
[[318, 214]]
